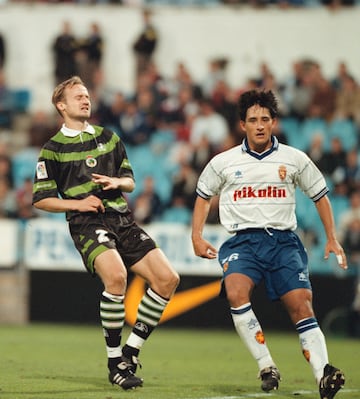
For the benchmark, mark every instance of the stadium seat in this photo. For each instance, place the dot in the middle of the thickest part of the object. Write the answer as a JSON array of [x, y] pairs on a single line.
[[21, 100], [24, 164], [290, 127], [176, 215], [308, 128], [346, 131]]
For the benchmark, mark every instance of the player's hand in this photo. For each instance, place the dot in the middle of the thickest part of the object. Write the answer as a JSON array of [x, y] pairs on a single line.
[[107, 183], [334, 247], [204, 249], [91, 204]]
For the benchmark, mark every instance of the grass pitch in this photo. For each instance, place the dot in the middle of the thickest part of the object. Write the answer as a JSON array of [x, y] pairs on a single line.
[[41, 361]]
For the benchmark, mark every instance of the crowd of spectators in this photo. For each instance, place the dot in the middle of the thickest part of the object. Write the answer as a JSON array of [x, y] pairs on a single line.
[[173, 125], [333, 4]]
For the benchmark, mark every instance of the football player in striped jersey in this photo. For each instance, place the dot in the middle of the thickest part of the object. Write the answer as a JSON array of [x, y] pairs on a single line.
[[84, 170]]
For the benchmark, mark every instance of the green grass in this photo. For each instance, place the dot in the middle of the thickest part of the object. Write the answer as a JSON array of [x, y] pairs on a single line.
[[41, 361]]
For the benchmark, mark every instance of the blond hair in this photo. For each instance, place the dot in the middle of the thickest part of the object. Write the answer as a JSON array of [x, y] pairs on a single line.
[[58, 94]]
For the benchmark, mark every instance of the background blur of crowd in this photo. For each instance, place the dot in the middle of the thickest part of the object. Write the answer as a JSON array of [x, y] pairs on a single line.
[[173, 125], [255, 3]]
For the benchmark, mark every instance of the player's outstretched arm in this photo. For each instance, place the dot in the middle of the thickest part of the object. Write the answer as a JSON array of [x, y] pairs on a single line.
[[125, 184]]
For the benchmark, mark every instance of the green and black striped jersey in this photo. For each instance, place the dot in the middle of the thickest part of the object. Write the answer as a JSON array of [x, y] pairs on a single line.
[[66, 163]]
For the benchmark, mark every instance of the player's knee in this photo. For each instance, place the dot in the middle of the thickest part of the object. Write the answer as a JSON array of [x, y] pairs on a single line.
[[172, 282], [166, 286], [236, 298]]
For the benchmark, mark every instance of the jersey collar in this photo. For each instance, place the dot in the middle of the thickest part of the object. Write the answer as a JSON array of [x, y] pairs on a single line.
[[245, 148], [73, 133]]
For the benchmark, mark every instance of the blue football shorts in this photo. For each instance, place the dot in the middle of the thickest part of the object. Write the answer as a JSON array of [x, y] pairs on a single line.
[[274, 256]]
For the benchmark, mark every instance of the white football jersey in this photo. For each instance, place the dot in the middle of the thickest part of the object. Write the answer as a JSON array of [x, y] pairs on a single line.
[[258, 190]]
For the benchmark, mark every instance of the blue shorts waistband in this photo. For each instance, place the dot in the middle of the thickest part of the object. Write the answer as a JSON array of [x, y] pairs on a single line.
[[268, 230]]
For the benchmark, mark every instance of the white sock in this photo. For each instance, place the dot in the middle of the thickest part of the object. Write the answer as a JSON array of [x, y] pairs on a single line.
[[249, 329], [313, 345]]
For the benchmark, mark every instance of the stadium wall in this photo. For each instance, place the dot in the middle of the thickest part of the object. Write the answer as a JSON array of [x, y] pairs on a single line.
[[42, 279], [73, 297], [245, 35]]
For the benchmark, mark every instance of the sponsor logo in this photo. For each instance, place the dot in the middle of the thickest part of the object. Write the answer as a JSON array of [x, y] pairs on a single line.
[[90, 161], [238, 174], [41, 172], [268, 192]]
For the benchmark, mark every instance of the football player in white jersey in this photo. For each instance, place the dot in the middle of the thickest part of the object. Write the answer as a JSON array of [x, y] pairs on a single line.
[[256, 183]]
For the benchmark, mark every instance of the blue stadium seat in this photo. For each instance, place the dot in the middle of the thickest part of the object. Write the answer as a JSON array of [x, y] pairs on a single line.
[[290, 127], [346, 131], [24, 164], [308, 128], [21, 100], [176, 215]]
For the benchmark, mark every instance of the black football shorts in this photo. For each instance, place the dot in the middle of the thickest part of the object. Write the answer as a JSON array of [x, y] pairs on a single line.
[[94, 234]]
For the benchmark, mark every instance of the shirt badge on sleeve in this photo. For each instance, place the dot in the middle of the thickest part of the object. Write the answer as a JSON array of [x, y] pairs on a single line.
[[41, 172]]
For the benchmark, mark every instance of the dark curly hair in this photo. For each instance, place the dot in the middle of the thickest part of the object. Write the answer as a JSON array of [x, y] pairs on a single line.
[[264, 99]]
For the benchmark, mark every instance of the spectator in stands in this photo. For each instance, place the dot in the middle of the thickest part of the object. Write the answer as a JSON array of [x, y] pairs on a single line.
[[134, 126], [352, 170], [65, 48], [92, 46], [7, 199], [6, 166], [24, 207], [349, 234], [40, 129], [201, 154], [348, 100], [342, 74], [334, 161], [211, 124], [224, 99], [316, 151], [180, 100], [148, 108], [298, 89], [269, 83], [2, 51], [323, 100], [216, 72], [109, 112], [147, 205], [145, 44], [184, 184], [350, 214], [178, 212], [6, 103]]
